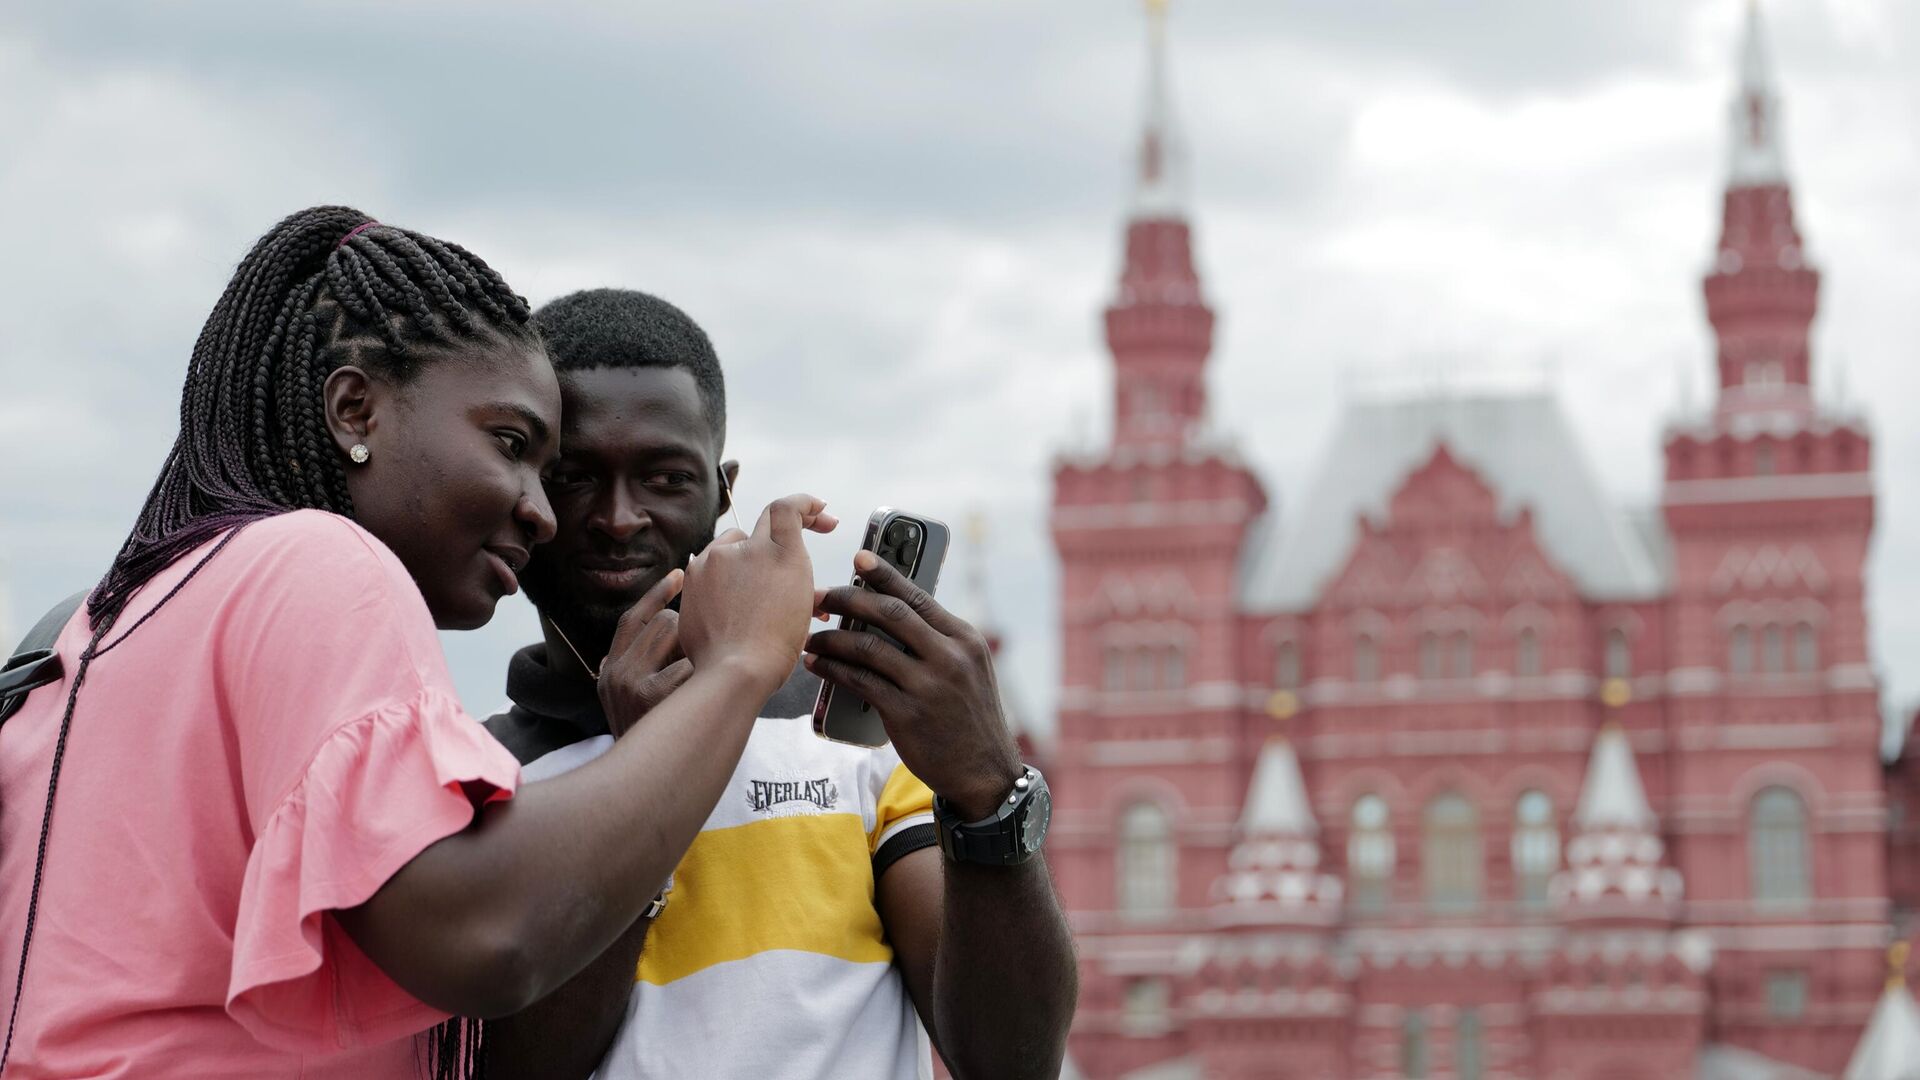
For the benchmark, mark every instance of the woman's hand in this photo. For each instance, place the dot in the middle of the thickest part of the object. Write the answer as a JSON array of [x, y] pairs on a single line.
[[747, 600]]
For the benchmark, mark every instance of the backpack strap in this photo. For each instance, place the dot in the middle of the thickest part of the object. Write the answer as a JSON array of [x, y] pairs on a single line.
[[34, 663]]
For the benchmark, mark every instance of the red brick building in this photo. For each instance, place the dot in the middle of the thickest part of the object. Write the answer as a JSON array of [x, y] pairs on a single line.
[[1454, 767]]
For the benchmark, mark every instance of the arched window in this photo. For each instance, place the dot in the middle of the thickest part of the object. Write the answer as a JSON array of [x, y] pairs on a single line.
[[1370, 854], [1413, 1045], [1763, 460], [1469, 1060], [1286, 666], [1806, 649], [1526, 660], [1114, 677], [1147, 862], [1461, 653], [1174, 672], [1366, 659], [1777, 846], [1773, 649], [1430, 665], [1536, 847], [1141, 673], [1145, 1012], [1450, 855], [1618, 660], [1740, 651]]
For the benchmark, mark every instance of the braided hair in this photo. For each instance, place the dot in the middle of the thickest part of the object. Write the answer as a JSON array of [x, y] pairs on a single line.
[[325, 288]]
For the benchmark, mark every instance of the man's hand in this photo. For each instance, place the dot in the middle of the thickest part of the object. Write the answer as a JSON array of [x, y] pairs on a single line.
[[644, 664], [938, 699]]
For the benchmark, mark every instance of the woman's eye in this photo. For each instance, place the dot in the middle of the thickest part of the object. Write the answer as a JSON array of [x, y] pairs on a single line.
[[514, 443]]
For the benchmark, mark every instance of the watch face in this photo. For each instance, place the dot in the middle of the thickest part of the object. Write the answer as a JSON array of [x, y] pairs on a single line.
[[1033, 827]]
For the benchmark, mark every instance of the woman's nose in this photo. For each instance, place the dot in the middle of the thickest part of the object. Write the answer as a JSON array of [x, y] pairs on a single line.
[[535, 513]]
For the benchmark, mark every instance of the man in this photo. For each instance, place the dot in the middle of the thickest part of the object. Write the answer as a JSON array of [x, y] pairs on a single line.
[[815, 928]]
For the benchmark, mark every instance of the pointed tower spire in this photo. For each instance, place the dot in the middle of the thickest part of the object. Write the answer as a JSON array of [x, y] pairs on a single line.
[[1616, 867], [1762, 294], [1273, 873], [1159, 327], [1159, 186], [1890, 1047], [1754, 152]]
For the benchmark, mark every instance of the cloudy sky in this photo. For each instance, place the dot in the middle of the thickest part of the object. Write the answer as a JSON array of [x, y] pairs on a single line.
[[899, 222]]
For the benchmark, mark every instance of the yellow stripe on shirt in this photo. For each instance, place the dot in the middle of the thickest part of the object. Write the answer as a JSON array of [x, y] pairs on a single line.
[[803, 882], [904, 796]]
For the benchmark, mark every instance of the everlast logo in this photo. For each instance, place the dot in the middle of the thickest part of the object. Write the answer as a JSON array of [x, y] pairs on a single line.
[[764, 795]]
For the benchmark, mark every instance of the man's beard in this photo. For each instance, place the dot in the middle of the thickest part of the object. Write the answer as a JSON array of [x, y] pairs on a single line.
[[590, 623]]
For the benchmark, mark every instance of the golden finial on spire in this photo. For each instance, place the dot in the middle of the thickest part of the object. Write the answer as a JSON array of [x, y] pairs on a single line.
[[1156, 7], [1897, 964], [977, 528]]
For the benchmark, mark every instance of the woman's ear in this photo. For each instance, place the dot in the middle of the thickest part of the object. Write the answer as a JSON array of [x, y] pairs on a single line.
[[350, 398]]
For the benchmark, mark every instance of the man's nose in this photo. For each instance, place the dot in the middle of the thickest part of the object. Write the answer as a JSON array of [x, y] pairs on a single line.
[[620, 516]]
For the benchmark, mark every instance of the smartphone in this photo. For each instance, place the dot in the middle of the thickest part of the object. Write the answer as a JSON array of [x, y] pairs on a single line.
[[915, 545]]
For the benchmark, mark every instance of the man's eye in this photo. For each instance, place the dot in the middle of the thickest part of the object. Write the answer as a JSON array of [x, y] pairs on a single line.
[[670, 479], [567, 478]]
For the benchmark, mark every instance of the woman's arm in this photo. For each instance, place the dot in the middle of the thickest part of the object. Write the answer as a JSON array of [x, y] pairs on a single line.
[[491, 919]]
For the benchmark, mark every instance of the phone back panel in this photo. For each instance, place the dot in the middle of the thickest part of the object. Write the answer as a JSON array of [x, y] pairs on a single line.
[[839, 713]]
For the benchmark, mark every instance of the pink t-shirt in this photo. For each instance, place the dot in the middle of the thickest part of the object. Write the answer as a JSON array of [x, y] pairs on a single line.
[[270, 747]]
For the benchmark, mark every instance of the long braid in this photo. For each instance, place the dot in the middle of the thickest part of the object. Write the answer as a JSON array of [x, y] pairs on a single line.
[[325, 288], [301, 304]]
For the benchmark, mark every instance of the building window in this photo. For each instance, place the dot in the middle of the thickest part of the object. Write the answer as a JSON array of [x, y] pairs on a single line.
[[1451, 854], [1469, 1061], [1115, 675], [1806, 649], [1286, 666], [1526, 661], [1777, 839], [1174, 674], [1430, 655], [1773, 649], [1536, 847], [1147, 862], [1140, 670], [1618, 660], [1366, 659], [1370, 854], [1740, 651], [1146, 1009], [1462, 654], [1413, 1045], [1786, 994], [1763, 460]]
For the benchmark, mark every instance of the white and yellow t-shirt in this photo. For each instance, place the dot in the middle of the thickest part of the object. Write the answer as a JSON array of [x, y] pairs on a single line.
[[770, 962]]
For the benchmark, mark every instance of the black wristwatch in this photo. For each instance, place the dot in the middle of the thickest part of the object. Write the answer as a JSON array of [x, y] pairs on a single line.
[[1011, 835]]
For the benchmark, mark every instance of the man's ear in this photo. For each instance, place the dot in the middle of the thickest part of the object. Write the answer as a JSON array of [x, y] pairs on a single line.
[[351, 399], [729, 475]]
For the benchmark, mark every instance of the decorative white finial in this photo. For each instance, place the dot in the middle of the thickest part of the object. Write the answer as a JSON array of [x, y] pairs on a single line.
[[1612, 795], [1162, 163], [1755, 157]]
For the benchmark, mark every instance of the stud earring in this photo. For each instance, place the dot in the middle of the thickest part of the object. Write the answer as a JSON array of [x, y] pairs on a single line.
[[359, 453]]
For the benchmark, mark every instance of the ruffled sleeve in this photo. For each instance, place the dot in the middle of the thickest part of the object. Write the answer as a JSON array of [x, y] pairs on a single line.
[[377, 792]]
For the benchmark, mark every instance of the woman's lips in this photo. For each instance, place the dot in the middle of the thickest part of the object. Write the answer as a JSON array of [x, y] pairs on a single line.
[[503, 569]]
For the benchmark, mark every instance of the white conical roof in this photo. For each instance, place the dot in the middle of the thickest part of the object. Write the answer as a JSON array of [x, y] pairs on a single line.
[[1755, 157], [1612, 796], [1277, 798], [1890, 1049], [1161, 190]]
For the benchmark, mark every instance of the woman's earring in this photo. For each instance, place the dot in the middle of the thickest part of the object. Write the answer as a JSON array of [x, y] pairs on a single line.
[[359, 453]]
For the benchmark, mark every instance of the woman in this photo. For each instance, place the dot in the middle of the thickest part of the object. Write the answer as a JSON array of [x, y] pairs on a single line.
[[251, 834]]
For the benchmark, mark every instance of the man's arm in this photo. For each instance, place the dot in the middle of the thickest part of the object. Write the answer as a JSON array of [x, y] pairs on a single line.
[[566, 1035], [984, 949], [988, 959]]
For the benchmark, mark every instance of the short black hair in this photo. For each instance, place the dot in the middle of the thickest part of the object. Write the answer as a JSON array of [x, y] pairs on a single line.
[[626, 328]]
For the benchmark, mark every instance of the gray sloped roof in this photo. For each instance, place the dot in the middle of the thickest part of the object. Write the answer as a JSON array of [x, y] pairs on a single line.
[[1520, 444]]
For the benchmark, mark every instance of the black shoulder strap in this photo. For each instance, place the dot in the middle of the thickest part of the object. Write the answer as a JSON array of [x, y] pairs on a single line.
[[34, 663]]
